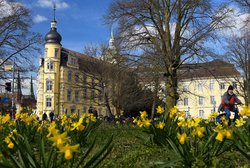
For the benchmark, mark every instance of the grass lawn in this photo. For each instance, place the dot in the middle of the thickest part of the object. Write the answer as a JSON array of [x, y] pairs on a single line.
[[132, 150], [129, 149]]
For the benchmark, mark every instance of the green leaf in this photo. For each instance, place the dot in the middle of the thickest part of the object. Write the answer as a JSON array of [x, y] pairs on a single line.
[[98, 154], [16, 163], [86, 154]]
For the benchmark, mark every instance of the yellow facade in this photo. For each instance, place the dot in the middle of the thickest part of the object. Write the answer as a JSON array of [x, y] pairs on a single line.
[[61, 80], [67, 93], [199, 97]]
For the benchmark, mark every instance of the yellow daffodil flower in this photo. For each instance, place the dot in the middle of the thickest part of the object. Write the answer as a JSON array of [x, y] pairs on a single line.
[[78, 125], [52, 129], [146, 123], [68, 150], [173, 111], [213, 115], [160, 110], [182, 137], [245, 111], [198, 131], [240, 122], [160, 125], [6, 119], [228, 133], [220, 136], [144, 114], [181, 123], [59, 139], [195, 122]]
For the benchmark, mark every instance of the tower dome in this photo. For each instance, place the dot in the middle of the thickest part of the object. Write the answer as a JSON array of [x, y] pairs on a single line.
[[53, 36]]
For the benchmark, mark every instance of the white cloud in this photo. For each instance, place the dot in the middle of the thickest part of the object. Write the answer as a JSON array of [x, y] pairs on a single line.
[[50, 3], [39, 18], [237, 21]]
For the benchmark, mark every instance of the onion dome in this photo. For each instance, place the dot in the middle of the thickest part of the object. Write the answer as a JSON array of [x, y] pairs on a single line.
[[53, 36]]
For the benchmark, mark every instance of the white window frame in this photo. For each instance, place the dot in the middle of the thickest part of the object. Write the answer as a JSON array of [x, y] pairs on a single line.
[[201, 113], [49, 85], [211, 86], [48, 101], [185, 88], [200, 87], [212, 99], [201, 100]]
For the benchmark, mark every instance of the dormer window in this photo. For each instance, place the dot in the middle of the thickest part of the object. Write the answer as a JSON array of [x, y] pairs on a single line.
[[50, 66]]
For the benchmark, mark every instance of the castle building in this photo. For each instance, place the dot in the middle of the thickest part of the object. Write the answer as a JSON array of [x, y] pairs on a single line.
[[200, 86], [68, 81]]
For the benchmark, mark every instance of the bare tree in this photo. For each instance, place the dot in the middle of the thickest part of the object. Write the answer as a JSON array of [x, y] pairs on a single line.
[[176, 29], [244, 3], [16, 39]]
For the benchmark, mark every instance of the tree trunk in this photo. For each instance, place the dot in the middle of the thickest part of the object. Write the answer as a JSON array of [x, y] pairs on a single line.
[[171, 90], [155, 94]]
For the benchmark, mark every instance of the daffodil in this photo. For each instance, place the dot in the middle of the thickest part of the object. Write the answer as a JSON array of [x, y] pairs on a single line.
[[181, 114], [6, 119], [144, 114], [52, 129], [220, 136], [59, 139], [198, 131], [228, 133], [181, 123], [245, 111], [213, 115], [160, 125], [173, 111], [195, 122], [78, 125], [182, 137], [160, 110], [68, 150], [240, 122], [146, 123]]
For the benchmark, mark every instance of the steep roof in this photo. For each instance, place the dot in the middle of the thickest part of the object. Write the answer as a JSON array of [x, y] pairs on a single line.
[[216, 68], [86, 63]]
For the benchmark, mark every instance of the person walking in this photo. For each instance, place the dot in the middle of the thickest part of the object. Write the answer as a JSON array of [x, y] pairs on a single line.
[[51, 116], [44, 116]]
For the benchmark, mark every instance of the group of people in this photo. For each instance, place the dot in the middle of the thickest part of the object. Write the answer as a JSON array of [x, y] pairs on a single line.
[[228, 102], [45, 116]]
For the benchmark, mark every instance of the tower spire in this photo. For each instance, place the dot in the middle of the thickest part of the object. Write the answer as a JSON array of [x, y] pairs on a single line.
[[112, 41], [54, 19], [53, 22]]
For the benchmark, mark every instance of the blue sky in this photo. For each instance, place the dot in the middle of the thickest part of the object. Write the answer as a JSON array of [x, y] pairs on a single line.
[[80, 22]]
